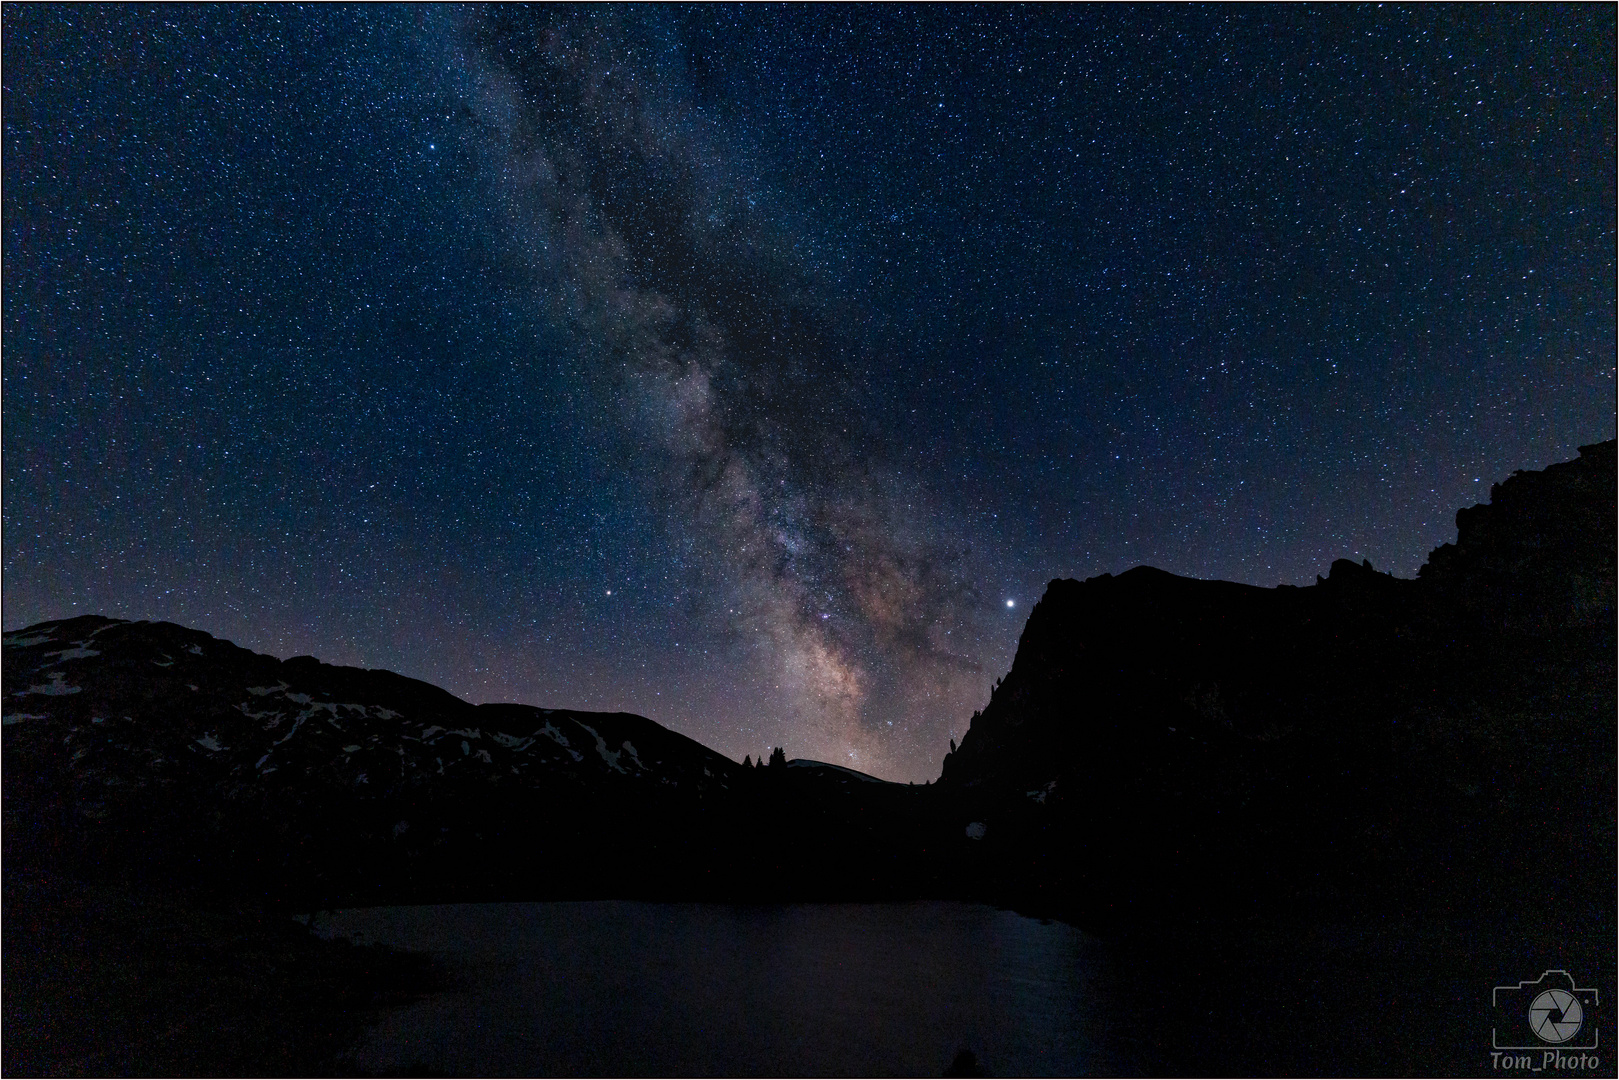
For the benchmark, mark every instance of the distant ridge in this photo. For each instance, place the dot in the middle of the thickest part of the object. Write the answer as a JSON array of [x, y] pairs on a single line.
[[853, 774]]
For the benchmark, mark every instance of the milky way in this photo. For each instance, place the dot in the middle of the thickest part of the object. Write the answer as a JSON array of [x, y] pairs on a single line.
[[753, 369], [720, 345]]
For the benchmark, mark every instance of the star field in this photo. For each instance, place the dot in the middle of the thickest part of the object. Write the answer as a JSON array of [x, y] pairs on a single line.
[[753, 369]]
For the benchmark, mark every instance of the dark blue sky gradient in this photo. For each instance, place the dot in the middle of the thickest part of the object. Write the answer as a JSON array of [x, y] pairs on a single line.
[[736, 367]]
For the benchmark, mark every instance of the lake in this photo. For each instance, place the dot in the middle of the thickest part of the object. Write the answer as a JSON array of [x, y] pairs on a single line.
[[617, 987], [632, 988]]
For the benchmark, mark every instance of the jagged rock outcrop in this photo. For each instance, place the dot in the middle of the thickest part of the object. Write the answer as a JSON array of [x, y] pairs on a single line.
[[1539, 556], [1163, 740], [1147, 656]]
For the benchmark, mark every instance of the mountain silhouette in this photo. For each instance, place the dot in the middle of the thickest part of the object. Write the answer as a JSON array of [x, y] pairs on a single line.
[[1162, 746], [162, 752], [1169, 744]]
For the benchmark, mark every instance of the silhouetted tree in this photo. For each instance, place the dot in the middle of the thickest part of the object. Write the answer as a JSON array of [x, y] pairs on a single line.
[[778, 758], [747, 761]]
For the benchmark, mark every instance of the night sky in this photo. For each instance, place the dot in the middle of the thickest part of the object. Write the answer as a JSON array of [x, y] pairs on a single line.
[[753, 370]]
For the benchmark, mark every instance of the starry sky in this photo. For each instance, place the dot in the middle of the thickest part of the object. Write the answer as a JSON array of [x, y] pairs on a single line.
[[753, 369]]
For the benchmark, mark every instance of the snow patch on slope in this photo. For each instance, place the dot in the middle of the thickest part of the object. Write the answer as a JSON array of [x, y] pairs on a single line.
[[55, 688], [609, 756], [630, 749], [14, 642]]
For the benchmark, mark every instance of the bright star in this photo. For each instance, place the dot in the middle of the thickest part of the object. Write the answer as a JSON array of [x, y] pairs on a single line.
[[1011, 603]]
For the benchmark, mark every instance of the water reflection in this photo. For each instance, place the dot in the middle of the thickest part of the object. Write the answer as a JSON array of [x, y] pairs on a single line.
[[618, 987]]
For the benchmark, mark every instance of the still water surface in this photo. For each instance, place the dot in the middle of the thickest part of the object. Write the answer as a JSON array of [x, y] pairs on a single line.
[[618, 987], [641, 989]]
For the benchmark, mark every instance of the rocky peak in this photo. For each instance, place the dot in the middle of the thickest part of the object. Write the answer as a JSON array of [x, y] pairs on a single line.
[[1539, 556]]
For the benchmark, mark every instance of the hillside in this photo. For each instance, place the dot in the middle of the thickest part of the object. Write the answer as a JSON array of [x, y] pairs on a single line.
[[156, 751]]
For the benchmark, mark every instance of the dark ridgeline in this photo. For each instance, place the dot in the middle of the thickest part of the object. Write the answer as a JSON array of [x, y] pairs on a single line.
[[1162, 747], [1171, 747], [156, 751]]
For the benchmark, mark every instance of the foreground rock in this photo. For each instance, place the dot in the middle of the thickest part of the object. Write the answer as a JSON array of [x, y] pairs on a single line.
[[103, 980]]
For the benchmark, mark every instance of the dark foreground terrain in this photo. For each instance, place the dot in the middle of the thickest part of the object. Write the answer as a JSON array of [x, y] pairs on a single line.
[[1427, 760], [104, 980]]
